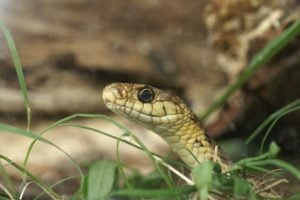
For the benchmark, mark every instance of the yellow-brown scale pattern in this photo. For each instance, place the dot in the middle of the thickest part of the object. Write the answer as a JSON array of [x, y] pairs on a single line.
[[168, 116]]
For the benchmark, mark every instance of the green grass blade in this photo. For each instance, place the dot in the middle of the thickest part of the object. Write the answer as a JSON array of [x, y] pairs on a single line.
[[19, 71], [82, 115], [153, 193], [22, 132], [258, 60], [273, 124], [106, 134], [251, 159], [6, 193], [7, 181], [120, 166], [42, 185], [30, 134], [168, 179], [272, 152], [55, 184], [58, 123], [273, 116], [124, 141]]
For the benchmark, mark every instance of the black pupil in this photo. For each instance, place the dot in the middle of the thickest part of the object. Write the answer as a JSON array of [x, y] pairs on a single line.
[[145, 95]]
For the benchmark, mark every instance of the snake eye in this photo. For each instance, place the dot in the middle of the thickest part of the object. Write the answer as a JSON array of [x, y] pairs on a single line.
[[145, 94]]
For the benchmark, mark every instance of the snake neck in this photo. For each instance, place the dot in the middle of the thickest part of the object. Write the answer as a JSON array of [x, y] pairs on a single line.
[[188, 139]]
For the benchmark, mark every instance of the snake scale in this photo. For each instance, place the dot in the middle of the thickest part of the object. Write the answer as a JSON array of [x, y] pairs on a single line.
[[167, 115]]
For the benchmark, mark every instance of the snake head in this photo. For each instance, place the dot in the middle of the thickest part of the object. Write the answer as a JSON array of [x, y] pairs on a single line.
[[151, 107], [165, 114]]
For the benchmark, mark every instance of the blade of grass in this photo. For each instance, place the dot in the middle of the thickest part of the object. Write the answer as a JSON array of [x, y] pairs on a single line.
[[7, 180], [22, 132], [125, 141], [271, 118], [106, 134], [258, 60], [24, 188], [251, 159], [126, 130], [57, 123], [156, 156], [7, 192], [42, 185], [168, 179], [30, 134], [273, 124], [56, 184], [272, 152], [77, 115], [19, 71], [153, 193], [120, 166]]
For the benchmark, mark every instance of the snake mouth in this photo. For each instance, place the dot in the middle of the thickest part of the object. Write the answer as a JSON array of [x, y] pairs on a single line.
[[109, 105], [142, 117], [154, 115]]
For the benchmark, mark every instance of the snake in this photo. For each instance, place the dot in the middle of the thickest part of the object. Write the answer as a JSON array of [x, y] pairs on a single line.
[[167, 115]]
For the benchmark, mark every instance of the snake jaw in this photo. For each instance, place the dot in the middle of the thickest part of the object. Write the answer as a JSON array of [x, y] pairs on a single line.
[[122, 100]]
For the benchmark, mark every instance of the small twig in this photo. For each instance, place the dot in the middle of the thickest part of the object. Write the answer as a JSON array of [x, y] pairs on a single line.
[[175, 171], [211, 198], [272, 185], [215, 153], [270, 172], [24, 188], [260, 183]]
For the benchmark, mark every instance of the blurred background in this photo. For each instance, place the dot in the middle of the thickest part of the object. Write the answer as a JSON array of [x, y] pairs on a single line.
[[71, 49]]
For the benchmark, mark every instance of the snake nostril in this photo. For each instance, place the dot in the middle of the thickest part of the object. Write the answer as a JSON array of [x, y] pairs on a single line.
[[116, 92], [110, 93]]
